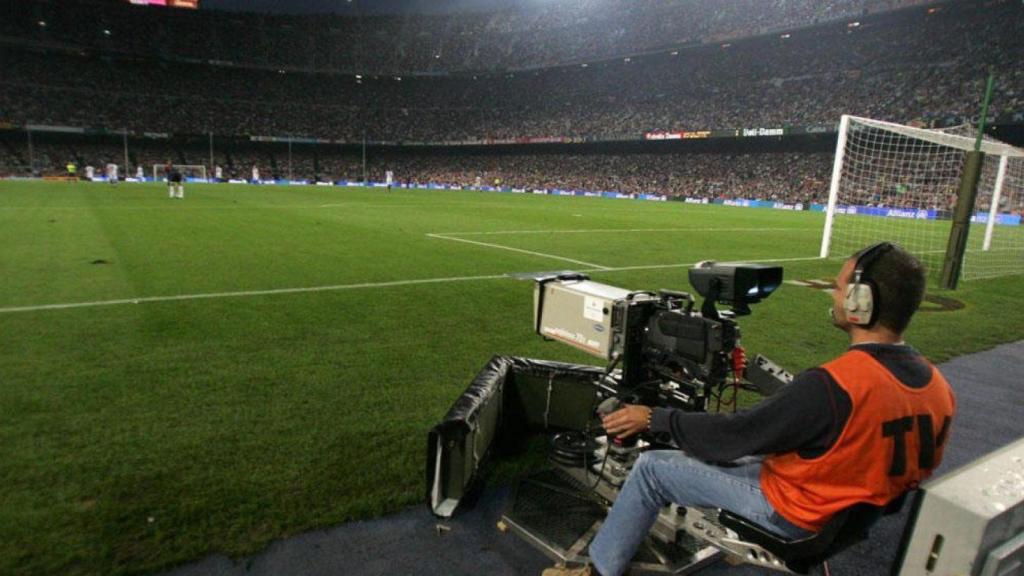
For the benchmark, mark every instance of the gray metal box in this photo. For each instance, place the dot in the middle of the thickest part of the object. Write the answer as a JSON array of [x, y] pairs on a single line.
[[970, 520]]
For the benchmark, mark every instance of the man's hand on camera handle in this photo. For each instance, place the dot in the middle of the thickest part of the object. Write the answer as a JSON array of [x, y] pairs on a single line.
[[627, 421]]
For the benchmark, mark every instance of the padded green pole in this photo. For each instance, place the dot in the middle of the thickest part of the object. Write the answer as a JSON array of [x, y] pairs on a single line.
[[966, 195]]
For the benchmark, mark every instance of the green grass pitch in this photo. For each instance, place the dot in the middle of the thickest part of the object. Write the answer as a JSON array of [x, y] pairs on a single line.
[[183, 377]]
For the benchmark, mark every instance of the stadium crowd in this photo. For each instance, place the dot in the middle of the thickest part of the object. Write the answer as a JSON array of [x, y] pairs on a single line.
[[908, 66], [788, 177], [521, 37], [791, 177], [785, 177]]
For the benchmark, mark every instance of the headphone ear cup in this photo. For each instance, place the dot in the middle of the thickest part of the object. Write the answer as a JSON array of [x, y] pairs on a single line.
[[850, 302], [867, 299], [859, 303]]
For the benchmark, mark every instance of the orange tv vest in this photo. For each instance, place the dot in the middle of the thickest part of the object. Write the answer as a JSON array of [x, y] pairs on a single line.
[[892, 440]]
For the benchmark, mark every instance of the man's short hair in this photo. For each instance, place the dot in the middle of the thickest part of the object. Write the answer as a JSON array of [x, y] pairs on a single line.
[[900, 279]]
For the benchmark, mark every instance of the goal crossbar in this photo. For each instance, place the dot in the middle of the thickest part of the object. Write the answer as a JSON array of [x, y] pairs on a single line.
[[942, 138]]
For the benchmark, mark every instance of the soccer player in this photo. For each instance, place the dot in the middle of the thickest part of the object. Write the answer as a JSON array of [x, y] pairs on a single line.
[[255, 174], [72, 171], [139, 175], [175, 188], [389, 178], [112, 173]]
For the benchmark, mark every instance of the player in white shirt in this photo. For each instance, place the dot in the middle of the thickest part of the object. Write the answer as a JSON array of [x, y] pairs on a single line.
[[89, 172], [112, 173], [255, 175], [389, 178], [218, 173], [139, 174]]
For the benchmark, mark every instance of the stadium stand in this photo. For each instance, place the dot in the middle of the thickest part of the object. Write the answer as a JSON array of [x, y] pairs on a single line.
[[527, 36], [787, 177], [912, 65], [900, 62]]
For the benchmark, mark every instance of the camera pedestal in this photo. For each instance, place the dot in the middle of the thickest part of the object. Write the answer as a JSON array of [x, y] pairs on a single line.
[[556, 511]]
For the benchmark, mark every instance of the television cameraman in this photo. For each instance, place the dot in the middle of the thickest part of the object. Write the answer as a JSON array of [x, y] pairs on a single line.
[[863, 427]]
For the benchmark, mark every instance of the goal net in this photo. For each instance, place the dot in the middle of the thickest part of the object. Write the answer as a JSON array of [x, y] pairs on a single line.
[[188, 171], [900, 183]]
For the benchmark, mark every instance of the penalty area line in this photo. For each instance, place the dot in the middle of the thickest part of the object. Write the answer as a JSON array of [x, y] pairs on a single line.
[[621, 231], [520, 250]]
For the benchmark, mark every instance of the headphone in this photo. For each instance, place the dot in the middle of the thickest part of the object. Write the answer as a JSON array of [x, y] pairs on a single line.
[[861, 303]]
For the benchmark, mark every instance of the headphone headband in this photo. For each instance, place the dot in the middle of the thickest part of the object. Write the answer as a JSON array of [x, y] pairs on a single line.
[[868, 256]]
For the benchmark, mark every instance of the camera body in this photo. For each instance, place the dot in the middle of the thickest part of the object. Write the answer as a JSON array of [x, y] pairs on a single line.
[[667, 353]]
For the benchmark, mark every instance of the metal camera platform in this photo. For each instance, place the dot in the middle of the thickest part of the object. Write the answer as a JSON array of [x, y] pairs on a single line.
[[556, 511]]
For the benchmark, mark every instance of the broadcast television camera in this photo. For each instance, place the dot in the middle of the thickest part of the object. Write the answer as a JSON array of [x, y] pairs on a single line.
[[670, 354], [660, 351]]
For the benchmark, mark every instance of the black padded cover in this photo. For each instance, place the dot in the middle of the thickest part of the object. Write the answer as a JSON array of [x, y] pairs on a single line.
[[494, 411]]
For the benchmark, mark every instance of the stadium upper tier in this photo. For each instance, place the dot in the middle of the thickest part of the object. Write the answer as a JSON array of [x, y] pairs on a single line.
[[917, 64], [559, 32]]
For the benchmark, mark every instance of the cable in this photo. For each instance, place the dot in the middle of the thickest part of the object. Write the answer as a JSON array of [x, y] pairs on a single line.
[[600, 471], [737, 364], [547, 402], [586, 465]]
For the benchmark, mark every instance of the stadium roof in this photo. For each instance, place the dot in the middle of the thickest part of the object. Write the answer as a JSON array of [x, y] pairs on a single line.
[[353, 7]]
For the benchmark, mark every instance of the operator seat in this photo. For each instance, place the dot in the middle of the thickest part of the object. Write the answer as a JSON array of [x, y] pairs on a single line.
[[846, 528]]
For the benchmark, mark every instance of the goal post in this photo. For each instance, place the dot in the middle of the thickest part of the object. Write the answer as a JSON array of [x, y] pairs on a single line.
[[901, 183], [997, 248], [188, 171], [833, 189], [997, 196]]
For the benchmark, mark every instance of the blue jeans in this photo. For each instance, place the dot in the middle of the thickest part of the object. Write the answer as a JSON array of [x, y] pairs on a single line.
[[662, 477]]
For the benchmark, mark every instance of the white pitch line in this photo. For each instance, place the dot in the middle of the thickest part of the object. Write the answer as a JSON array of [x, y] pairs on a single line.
[[520, 250], [621, 230], [421, 202], [415, 205], [688, 264], [243, 293], [169, 206], [329, 288]]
